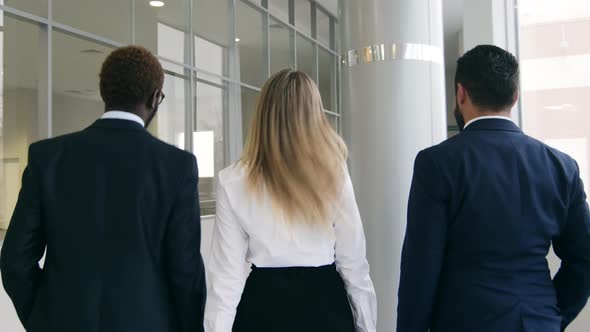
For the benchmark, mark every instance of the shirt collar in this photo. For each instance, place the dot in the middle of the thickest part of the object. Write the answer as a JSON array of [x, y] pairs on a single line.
[[488, 117], [120, 115]]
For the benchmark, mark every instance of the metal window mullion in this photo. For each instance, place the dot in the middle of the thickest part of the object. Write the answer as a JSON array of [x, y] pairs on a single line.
[[50, 68], [313, 20], [190, 109], [132, 23], [332, 36], [234, 123], [291, 13], [266, 37]]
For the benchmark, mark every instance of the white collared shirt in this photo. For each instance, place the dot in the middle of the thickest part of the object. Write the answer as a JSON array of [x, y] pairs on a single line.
[[120, 115], [488, 117], [248, 231]]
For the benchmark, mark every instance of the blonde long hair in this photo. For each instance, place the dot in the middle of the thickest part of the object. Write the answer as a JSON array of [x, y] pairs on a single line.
[[292, 152]]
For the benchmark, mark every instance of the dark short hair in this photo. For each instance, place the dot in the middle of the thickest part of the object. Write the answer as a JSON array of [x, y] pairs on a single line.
[[490, 75], [129, 76]]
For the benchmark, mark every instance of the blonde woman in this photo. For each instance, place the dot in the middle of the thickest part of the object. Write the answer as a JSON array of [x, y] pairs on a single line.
[[287, 208]]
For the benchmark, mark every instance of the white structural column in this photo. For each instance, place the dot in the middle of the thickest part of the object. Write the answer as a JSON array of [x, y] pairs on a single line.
[[393, 103]]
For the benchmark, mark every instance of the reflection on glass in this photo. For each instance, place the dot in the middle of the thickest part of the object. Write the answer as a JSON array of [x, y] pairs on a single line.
[[209, 139], [163, 30], [211, 24], [248, 106], [279, 9], [35, 7], [210, 57], [327, 79], [20, 107], [252, 44], [303, 16], [282, 53], [306, 56], [106, 18], [171, 46], [323, 28], [170, 119], [76, 96], [555, 76]]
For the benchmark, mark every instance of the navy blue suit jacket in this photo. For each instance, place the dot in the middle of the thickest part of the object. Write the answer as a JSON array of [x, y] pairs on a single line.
[[485, 208], [117, 211]]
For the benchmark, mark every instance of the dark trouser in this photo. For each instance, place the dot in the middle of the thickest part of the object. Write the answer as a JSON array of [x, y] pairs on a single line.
[[294, 299]]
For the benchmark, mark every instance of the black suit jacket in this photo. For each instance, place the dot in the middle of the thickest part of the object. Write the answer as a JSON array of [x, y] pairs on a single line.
[[485, 208], [117, 211]]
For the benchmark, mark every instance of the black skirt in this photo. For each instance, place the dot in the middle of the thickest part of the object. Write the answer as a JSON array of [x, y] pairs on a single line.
[[294, 299]]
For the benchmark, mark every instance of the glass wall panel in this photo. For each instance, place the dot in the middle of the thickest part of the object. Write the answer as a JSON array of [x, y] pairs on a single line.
[[169, 123], [555, 84], [252, 45], [213, 39], [248, 107], [333, 119], [323, 26], [279, 9], [76, 96], [303, 16], [211, 57], [327, 79], [22, 112], [306, 56], [107, 18], [35, 7], [282, 53], [209, 142], [164, 30], [555, 74]]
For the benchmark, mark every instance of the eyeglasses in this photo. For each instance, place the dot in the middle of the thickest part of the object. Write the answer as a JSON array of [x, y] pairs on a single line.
[[161, 97]]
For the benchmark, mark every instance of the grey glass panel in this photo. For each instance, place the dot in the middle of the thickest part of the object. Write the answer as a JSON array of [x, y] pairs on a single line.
[[169, 124], [164, 30], [35, 7], [282, 53], [209, 138], [306, 58], [323, 28], [303, 16], [106, 18], [327, 79], [252, 45], [280, 9], [22, 112], [248, 107], [76, 96], [333, 119], [213, 39]]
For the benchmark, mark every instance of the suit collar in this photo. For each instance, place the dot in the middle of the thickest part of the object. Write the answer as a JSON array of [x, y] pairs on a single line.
[[117, 124], [493, 124]]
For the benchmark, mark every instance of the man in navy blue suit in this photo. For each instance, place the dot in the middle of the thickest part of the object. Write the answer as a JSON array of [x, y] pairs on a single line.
[[485, 208]]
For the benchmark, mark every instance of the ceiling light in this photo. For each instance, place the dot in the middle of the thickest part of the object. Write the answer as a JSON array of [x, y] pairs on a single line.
[[237, 40], [157, 3]]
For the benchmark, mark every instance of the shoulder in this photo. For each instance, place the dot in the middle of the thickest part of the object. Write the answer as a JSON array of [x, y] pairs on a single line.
[[171, 151], [51, 146], [232, 174]]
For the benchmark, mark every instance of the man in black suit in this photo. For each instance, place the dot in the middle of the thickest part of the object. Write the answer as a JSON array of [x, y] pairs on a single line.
[[117, 212], [485, 208]]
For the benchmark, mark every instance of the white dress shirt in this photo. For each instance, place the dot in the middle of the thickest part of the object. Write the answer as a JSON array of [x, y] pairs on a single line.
[[488, 117], [247, 231], [120, 115]]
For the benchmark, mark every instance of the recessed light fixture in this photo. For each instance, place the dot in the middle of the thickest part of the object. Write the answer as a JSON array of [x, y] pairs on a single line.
[[237, 40], [157, 3]]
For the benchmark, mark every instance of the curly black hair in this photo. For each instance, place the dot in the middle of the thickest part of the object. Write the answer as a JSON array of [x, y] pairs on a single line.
[[490, 75], [129, 76]]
